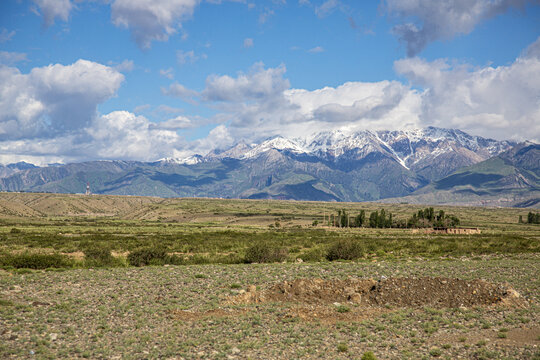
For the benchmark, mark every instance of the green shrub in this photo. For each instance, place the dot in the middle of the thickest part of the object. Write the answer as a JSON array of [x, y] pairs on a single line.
[[15, 231], [315, 255], [342, 347], [148, 256], [345, 250], [369, 356], [99, 256], [264, 253], [342, 309], [35, 261]]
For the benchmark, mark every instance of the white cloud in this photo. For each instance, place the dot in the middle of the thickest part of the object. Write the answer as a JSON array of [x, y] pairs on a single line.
[[188, 57], [125, 66], [326, 8], [502, 102], [256, 84], [11, 58], [6, 35], [262, 99], [441, 19], [168, 73], [316, 50], [179, 122], [53, 99], [151, 20], [52, 9], [179, 90], [123, 135], [248, 43], [117, 135]]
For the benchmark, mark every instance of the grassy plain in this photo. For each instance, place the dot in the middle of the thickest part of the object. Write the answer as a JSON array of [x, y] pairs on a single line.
[[183, 311]]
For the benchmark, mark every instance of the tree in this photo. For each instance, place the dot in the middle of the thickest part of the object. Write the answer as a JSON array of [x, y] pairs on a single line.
[[360, 219], [381, 221], [373, 219]]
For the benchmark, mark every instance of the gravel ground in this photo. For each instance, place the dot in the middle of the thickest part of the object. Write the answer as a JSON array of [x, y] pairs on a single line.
[[175, 312]]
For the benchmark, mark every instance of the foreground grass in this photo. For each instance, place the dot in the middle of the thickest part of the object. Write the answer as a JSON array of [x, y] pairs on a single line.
[[129, 313]]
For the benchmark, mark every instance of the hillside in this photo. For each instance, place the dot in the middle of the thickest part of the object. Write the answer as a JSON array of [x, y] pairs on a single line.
[[509, 179]]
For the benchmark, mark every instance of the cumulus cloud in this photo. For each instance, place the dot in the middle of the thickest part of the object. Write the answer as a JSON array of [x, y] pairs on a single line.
[[501, 102], [257, 83], [151, 20], [52, 9], [53, 99], [426, 21], [117, 135], [262, 99], [123, 135]]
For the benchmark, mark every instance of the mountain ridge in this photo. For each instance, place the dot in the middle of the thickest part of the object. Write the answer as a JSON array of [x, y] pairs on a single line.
[[333, 166]]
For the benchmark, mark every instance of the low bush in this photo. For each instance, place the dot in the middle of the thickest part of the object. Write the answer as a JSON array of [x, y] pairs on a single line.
[[345, 250], [369, 356], [99, 256], [315, 255], [35, 261], [148, 256], [264, 253]]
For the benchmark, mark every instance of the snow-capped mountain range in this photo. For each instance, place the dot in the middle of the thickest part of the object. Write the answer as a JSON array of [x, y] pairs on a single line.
[[435, 164], [408, 147]]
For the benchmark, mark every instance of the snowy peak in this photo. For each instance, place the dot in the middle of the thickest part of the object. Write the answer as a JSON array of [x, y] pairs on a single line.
[[236, 152], [276, 143], [414, 150], [190, 160]]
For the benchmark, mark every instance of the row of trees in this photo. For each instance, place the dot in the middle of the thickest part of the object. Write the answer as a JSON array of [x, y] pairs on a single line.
[[532, 218], [428, 218], [382, 219]]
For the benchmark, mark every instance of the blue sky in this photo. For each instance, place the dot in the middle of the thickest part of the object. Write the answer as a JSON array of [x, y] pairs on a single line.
[[140, 79]]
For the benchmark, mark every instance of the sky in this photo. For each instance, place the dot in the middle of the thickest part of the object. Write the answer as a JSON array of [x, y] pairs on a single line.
[[150, 79]]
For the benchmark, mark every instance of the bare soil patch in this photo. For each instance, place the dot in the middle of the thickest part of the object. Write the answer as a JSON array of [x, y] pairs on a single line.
[[393, 292]]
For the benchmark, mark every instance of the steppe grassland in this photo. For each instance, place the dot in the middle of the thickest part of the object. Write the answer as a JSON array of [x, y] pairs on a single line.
[[184, 311]]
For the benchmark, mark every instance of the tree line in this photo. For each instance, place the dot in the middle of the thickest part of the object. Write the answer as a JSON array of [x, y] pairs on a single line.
[[426, 218], [532, 218]]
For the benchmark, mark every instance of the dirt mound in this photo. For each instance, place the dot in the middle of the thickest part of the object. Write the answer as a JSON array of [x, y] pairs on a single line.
[[396, 292]]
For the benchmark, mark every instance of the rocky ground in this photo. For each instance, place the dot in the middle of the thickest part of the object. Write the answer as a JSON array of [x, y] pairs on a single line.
[[480, 308]]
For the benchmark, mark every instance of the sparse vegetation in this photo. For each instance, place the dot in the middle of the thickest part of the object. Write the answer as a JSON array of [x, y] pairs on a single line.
[[183, 311]]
